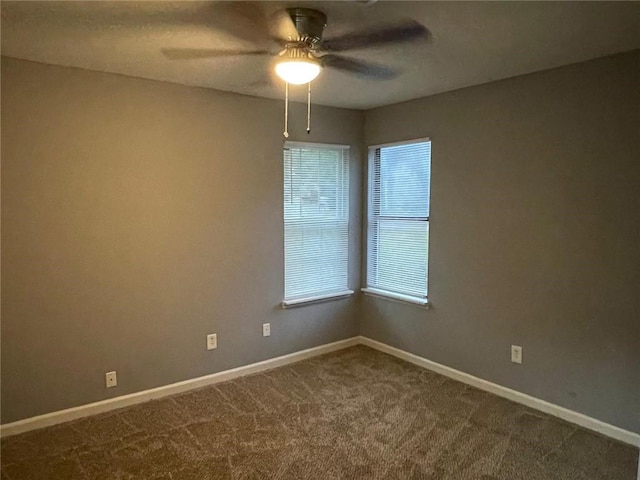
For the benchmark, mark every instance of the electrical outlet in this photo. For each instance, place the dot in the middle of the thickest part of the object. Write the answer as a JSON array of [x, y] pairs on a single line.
[[212, 341], [266, 329], [516, 354], [111, 379]]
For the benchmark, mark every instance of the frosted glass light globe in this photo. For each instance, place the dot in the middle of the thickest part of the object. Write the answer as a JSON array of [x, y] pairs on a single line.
[[297, 71]]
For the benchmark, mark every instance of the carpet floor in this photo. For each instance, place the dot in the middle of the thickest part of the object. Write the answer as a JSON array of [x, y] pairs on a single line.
[[352, 414]]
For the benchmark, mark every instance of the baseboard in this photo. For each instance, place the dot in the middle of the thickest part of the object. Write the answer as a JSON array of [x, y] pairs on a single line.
[[102, 406], [513, 395]]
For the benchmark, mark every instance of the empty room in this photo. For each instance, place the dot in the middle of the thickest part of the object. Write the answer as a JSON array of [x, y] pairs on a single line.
[[320, 240]]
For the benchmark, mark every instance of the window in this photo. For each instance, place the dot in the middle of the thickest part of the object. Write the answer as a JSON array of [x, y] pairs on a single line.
[[316, 222], [398, 220]]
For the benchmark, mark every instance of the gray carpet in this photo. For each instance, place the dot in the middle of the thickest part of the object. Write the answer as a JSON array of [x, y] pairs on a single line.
[[353, 414]]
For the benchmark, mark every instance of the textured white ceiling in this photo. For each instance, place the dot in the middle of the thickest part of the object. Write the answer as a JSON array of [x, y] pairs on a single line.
[[471, 42]]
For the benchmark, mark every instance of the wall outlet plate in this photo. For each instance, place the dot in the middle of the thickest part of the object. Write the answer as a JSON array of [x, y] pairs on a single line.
[[110, 379], [266, 329], [516, 354], [212, 341]]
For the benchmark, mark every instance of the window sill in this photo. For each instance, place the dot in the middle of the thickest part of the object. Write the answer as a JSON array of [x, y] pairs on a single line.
[[300, 302], [398, 297]]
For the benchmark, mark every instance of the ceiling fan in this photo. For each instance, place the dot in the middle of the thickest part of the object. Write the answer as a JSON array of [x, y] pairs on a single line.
[[295, 40]]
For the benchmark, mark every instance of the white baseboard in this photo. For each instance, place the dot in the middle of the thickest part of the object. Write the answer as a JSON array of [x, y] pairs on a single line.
[[102, 406], [513, 395]]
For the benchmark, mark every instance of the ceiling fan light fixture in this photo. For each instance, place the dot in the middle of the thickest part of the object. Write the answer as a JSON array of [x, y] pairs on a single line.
[[297, 72], [297, 65]]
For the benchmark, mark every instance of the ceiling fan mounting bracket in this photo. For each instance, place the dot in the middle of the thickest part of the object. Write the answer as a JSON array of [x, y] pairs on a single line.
[[297, 51], [309, 24]]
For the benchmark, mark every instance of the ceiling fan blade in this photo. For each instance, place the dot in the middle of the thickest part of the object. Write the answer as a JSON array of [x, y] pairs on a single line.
[[196, 53], [266, 82], [406, 31], [358, 67]]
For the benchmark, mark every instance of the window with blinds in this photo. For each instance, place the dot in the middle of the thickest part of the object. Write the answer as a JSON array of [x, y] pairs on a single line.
[[316, 222], [398, 220]]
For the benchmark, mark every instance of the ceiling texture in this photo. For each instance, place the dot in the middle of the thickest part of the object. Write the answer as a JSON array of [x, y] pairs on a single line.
[[469, 43]]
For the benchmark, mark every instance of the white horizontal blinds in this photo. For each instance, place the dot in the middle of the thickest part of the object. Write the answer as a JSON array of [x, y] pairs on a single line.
[[398, 223], [316, 219]]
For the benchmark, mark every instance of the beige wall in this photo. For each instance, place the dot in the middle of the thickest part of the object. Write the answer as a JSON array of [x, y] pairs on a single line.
[[534, 235], [137, 217]]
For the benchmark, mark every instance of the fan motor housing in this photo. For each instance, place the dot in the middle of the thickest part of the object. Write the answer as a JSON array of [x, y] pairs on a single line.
[[309, 24]]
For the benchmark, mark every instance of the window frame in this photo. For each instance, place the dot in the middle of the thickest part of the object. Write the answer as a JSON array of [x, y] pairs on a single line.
[[419, 300], [311, 298]]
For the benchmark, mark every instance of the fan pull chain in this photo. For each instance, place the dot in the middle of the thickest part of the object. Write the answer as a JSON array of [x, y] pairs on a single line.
[[309, 109], [286, 110]]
